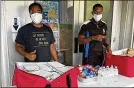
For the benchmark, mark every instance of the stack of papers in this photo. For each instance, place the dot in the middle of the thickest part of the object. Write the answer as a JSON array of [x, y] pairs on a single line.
[[56, 64], [45, 67], [63, 69], [31, 67], [48, 70], [42, 73]]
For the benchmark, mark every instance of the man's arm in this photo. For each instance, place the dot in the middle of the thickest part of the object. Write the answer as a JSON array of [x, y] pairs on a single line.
[[108, 48], [20, 49], [105, 43], [19, 45], [81, 36], [82, 39], [53, 52]]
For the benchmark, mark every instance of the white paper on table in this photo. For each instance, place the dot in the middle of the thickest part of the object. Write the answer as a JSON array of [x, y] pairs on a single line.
[[19, 65], [31, 67], [56, 64], [48, 70], [45, 67], [119, 52], [47, 75], [55, 75], [42, 73], [63, 69]]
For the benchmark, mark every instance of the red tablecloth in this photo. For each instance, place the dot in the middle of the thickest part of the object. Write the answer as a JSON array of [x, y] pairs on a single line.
[[125, 64], [24, 79]]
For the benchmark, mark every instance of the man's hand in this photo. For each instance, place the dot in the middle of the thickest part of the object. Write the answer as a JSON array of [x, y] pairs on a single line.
[[97, 37], [108, 50], [31, 56]]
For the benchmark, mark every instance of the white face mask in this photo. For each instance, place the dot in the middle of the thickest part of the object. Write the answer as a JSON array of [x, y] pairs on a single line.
[[36, 18], [97, 17]]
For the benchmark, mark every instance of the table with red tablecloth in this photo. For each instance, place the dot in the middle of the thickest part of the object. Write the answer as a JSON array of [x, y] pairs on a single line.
[[24, 79]]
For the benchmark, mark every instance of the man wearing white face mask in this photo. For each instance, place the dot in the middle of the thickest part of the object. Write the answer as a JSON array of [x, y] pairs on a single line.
[[93, 36], [35, 41]]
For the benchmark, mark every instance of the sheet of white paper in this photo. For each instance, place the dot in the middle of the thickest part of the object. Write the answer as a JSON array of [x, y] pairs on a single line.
[[63, 69], [42, 73], [119, 52], [56, 64], [31, 67], [45, 67], [55, 75], [48, 70]]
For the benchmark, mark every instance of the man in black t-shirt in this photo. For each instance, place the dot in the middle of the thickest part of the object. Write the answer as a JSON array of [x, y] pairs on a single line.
[[93, 36], [35, 41]]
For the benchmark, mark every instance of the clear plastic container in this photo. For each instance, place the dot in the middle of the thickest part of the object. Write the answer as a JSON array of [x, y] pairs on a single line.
[[107, 75]]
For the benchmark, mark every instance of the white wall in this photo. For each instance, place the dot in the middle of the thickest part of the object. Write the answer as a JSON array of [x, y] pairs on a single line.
[[9, 56]]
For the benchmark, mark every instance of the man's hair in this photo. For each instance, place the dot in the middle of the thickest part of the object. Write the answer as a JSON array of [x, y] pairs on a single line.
[[35, 4], [97, 5]]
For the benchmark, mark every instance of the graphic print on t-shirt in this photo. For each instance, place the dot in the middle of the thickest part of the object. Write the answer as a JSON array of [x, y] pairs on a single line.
[[40, 38]]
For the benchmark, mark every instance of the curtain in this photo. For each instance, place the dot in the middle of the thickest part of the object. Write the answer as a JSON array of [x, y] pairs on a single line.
[[10, 10], [122, 26], [4, 61]]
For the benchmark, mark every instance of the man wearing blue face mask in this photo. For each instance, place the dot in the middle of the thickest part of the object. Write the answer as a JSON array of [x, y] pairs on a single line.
[[93, 36], [35, 41]]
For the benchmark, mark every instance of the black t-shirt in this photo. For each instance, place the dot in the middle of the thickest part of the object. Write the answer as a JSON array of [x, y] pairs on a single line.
[[39, 39], [94, 28]]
